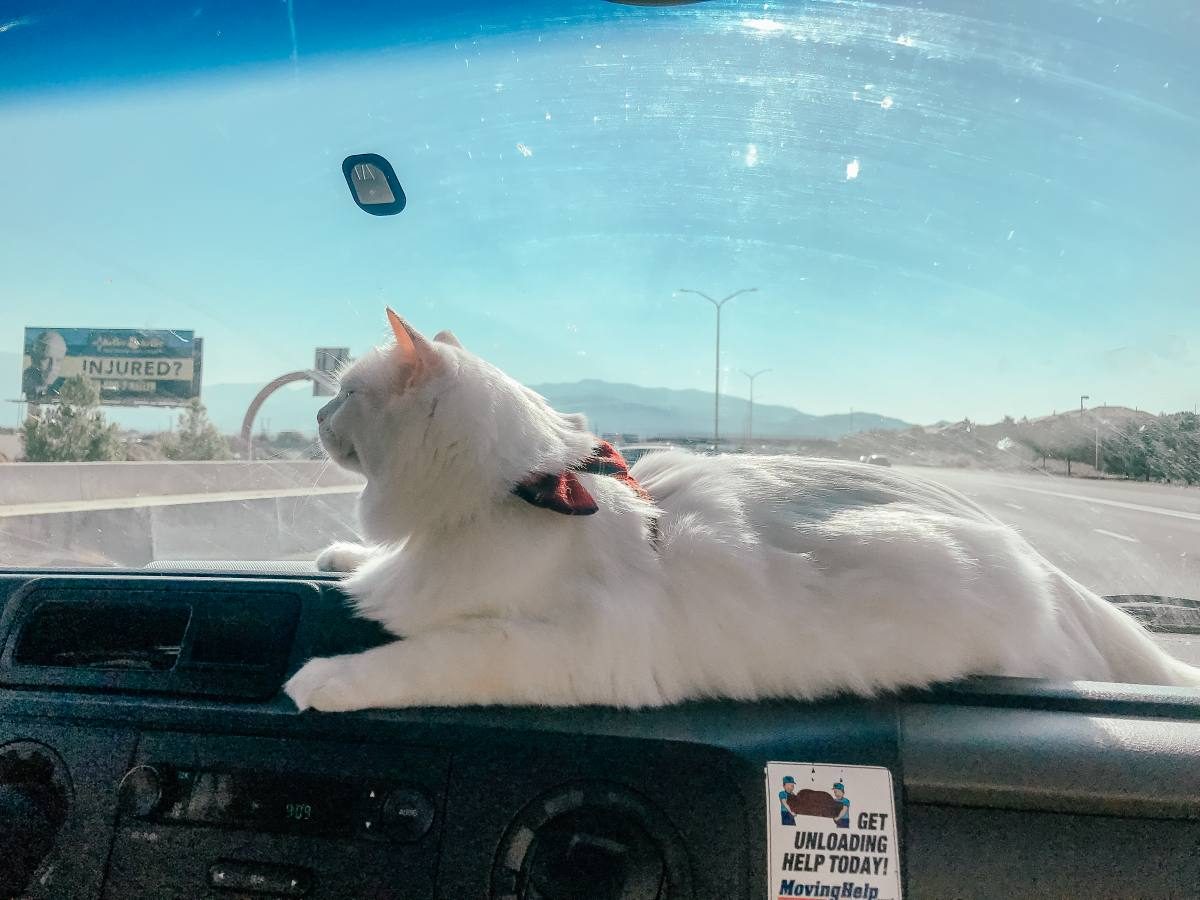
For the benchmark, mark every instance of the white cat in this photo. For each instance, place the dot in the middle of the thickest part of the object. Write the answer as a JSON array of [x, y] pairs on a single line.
[[746, 577]]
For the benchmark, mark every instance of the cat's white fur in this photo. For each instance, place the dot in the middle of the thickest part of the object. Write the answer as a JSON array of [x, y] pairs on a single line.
[[771, 576]]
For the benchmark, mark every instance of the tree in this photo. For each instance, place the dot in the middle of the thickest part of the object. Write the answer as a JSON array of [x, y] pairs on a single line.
[[1164, 449], [290, 440], [73, 429], [196, 438]]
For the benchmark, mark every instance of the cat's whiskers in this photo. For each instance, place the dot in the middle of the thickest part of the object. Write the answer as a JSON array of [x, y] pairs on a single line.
[[309, 496]]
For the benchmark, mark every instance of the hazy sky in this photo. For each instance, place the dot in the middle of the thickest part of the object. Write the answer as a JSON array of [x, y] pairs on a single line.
[[944, 215]]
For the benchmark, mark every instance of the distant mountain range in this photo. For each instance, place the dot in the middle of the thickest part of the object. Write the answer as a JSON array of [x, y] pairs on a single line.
[[663, 412], [629, 408]]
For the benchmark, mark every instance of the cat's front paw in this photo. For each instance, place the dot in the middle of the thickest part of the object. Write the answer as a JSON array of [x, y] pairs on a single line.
[[326, 684], [342, 556]]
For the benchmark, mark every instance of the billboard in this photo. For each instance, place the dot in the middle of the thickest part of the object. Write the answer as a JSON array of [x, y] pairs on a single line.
[[131, 367]]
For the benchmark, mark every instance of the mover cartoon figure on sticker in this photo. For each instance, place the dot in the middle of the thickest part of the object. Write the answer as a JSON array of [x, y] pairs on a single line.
[[789, 789], [839, 794]]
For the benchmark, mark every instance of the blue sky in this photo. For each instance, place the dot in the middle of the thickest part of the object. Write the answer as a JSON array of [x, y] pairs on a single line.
[[945, 215]]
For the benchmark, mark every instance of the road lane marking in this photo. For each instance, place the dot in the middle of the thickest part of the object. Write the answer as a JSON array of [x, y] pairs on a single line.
[[1120, 504], [1119, 537]]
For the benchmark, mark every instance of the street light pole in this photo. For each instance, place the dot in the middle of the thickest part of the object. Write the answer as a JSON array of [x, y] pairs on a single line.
[[750, 423], [717, 304]]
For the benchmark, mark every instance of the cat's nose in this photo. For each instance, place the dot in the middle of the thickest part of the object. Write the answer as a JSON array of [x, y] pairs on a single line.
[[321, 415]]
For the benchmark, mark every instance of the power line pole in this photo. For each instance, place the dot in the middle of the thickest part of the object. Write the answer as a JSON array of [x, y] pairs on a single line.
[[717, 375], [1082, 397], [750, 423]]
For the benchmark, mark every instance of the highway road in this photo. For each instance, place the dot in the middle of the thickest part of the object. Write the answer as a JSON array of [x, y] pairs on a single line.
[[1116, 537]]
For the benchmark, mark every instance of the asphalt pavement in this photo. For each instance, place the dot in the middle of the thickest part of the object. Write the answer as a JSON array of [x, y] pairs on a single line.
[[1115, 537]]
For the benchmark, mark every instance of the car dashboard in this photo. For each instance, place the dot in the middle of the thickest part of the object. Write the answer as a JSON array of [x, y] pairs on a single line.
[[147, 751]]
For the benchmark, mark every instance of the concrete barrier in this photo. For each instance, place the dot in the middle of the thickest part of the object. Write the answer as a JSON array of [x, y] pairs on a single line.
[[89, 514], [286, 527], [22, 483]]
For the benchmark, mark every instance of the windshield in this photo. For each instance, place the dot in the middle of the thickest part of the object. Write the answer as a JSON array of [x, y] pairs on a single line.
[[969, 228]]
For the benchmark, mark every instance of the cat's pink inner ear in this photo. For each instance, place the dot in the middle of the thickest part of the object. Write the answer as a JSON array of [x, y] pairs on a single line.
[[403, 334], [415, 353]]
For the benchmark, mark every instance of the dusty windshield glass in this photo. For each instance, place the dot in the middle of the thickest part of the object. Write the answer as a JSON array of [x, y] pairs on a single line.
[[969, 228]]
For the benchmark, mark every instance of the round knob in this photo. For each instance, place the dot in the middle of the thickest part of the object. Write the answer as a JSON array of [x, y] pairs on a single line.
[[34, 795], [590, 841], [593, 854], [407, 814], [141, 791]]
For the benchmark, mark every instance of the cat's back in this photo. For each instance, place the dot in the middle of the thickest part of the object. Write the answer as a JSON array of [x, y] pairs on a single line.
[[811, 488]]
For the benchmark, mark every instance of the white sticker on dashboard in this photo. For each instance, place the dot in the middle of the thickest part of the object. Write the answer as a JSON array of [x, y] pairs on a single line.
[[831, 832]]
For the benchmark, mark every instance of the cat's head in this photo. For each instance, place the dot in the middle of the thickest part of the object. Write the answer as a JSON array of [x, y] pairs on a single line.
[[439, 433]]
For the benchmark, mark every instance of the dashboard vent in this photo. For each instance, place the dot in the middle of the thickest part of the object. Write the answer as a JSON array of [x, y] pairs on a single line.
[[127, 636], [226, 643]]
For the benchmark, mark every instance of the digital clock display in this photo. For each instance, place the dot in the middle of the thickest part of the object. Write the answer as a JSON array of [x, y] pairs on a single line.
[[299, 812], [269, 803]]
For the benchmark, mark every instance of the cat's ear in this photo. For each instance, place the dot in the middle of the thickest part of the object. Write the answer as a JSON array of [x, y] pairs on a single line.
[[447, 337], [416, 353]]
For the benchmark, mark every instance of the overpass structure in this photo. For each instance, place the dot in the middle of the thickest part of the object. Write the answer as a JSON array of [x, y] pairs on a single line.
[[324, 379]]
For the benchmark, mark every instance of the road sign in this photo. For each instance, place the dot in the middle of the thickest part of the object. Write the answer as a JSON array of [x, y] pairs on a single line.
[[329, 360]]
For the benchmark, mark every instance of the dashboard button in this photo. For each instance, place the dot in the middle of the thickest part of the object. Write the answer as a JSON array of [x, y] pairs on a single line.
[[259, 878], [372, 798], [407, 814]]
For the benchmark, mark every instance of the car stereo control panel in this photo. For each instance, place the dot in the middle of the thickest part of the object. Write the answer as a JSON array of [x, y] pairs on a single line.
[[221, 814]]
